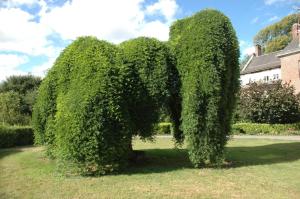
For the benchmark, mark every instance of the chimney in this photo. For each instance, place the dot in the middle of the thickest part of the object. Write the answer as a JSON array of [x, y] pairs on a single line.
[[258, 51], [295, 31]]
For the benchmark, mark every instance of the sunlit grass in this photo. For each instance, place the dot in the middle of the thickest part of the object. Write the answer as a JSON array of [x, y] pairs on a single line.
[[259, 169]]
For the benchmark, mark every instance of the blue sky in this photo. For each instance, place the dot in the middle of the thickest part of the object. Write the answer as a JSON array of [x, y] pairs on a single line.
[[33, 32]]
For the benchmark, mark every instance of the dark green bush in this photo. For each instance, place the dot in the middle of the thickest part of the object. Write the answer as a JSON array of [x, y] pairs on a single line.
[[266, 129], [268, 103], [163, 128], [11, 136], [207, 53]]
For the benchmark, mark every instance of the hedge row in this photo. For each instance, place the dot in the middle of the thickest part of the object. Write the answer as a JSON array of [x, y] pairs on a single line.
[[263, 129], [11, 136]]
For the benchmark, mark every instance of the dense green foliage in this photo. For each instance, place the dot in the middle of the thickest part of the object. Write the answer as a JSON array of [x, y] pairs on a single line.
[[97, 96], [17, 96], [268, 103], [11, 136], [159, 84], [266, 129], [276, 36], [207, 54]]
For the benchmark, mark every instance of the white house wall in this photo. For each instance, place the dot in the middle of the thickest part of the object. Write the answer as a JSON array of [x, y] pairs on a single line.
[[260, 76]]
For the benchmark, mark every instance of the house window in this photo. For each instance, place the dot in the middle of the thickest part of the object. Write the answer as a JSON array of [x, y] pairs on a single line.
[[266, 78], [275, 76]]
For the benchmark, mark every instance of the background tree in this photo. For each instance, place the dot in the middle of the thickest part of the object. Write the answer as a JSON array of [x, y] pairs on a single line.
[[276, 36], [10, 114], [21, 90], [207, 53]]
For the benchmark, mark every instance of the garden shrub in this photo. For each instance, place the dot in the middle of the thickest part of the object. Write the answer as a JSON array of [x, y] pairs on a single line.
[[268, 103], [11, 136], [207, 53], [266, 129]]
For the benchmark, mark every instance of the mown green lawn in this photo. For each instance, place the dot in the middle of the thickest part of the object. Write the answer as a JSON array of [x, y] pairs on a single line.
[[259, 169]]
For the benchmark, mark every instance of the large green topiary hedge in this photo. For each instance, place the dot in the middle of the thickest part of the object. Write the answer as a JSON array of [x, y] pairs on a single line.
[[207, 54], [98, 95]]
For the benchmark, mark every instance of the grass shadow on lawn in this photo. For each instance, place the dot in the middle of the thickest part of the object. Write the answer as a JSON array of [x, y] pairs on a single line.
[[11, 151], [166, 160], [264, 155], [161, 160]]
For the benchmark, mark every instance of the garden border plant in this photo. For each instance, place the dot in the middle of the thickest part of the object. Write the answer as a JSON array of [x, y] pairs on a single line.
[[97, 96]]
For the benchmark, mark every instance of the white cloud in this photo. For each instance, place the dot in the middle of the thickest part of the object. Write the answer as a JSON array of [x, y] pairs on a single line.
[[9, 64], [248, 51], [155, 29], [15, 3], [246, 48], [272, 2], [22, 34], [112, 20], [167, 8], [11, 60]]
